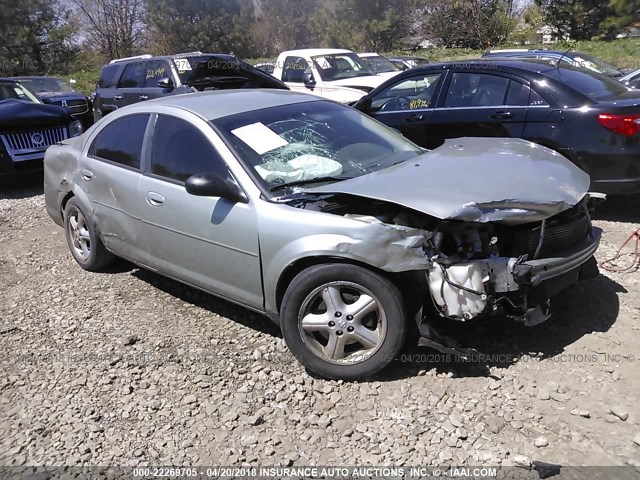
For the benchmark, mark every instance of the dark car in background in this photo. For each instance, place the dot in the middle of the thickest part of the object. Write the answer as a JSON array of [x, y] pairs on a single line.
[[589, 118], [27, 128], [56, 91], [577, 59], [266, 67], [406, 62], [130, 80]]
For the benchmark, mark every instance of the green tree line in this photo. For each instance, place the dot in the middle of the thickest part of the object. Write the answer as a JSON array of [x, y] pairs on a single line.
[[43, 36]]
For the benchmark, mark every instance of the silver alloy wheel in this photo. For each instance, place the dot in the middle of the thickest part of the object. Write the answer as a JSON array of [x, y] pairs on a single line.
[[79, 234], [342, 323]]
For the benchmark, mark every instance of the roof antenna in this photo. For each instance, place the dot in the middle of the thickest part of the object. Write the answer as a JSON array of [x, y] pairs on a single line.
[[560, 59]]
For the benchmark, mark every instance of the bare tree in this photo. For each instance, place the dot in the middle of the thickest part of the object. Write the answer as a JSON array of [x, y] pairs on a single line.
[[469, 23], [115, 27]]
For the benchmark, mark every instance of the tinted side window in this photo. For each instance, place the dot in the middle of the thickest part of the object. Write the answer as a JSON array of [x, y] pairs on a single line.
[[518, 94], [107, 76], [121, 140], [180, 150], [536, 100], [293, 69], [409, 94], [476, 90], [132, 76], [156, 70]]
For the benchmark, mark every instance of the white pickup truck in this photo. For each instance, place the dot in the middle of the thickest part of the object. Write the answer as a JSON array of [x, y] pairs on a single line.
[[335, 74]]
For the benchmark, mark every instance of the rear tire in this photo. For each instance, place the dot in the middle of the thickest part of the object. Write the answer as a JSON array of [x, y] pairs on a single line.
[[83, 238], [343, 321]]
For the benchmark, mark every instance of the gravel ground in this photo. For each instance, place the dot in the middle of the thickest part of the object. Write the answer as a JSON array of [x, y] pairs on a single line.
[[128, 368]]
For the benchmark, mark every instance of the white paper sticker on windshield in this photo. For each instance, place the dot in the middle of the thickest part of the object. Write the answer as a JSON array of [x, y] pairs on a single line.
[[259, 137], [182, 64]]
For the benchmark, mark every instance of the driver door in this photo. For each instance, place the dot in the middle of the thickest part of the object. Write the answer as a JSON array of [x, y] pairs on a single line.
[[207, 242], [408, 105]]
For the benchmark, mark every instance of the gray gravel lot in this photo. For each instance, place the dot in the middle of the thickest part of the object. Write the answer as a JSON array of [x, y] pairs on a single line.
[[128, 368]]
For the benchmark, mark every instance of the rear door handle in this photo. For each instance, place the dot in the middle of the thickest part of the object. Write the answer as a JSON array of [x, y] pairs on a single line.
[[118, 97], [155, 199], [86, 175], [415, 117], [501, 115], [143, 97]]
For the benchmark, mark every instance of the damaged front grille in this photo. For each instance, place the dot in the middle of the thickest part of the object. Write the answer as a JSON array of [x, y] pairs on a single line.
[[561, 232]]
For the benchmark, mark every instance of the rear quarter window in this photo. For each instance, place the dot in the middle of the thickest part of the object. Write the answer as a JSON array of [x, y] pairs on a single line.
[[108, 76], [121, 141]]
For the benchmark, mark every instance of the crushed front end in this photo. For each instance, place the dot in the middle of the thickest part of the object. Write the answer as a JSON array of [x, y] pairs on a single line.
[[473, 269], [486, 268]]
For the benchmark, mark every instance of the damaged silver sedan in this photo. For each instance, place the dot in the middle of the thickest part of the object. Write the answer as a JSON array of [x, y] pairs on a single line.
[[347, 235]]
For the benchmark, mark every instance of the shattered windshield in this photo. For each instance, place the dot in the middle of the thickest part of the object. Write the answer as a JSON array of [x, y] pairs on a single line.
[[378, 64], [340, 66], [310, 143]]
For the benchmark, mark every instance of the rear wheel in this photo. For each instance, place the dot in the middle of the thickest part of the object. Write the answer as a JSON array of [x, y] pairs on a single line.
[[343, 321], [83, 239]]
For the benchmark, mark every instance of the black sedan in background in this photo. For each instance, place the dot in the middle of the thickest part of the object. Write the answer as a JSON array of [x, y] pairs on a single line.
[[27, 128], [589, 118], [55, 91]]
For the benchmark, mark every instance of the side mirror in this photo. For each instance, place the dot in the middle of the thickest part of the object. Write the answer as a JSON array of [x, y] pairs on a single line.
[[364, 104], [307, 78], [165, 82], [214, 185]]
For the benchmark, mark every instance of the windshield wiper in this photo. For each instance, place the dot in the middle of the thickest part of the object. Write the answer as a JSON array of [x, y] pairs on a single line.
[[309, 181]]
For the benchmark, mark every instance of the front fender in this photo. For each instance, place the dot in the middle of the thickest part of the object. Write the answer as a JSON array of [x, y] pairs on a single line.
[[386, 247]]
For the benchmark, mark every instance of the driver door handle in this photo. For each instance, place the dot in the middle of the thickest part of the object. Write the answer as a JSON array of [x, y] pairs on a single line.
[[118, 97], [143, 97], [414, 117], [86, 175], [155, 199], [501, 115]]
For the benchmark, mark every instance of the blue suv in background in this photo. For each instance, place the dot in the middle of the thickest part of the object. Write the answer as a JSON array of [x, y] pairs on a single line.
[[55, 91]]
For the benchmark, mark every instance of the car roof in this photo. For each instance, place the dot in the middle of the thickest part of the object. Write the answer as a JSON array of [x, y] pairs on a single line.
[[369, 54], [406, 57], [534, 51], [143, 58], [509, 63], [222, 103], [8, 79], [318, 51], [29, 77]]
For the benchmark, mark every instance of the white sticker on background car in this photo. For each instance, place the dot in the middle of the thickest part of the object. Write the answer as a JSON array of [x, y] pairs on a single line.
[[182, 64], [260, 137]]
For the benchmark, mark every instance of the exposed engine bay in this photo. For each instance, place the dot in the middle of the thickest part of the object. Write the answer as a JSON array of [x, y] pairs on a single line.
[[475, 269]]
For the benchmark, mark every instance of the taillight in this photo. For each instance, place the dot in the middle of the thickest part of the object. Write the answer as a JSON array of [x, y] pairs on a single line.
[[627, 125]]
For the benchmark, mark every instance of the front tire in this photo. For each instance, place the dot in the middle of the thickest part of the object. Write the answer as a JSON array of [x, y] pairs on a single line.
[[83, 238], [343, 321]]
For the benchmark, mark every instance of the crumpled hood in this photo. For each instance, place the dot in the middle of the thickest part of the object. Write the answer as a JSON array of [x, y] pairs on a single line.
[[371, 81], [510, 181], [20, 113]]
